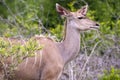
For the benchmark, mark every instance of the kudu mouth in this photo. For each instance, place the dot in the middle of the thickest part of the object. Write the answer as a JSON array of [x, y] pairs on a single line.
[[95, 27]]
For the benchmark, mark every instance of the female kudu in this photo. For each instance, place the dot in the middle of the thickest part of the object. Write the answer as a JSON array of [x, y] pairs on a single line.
[[50, 61]]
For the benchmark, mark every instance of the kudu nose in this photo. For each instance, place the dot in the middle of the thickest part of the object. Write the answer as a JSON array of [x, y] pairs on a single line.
[[97, 24]]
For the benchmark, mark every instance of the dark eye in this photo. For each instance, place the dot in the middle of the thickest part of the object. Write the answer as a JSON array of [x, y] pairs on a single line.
[[80, 17]]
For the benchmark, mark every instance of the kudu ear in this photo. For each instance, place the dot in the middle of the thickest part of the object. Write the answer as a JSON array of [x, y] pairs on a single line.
[[61, 10], [83, 10]]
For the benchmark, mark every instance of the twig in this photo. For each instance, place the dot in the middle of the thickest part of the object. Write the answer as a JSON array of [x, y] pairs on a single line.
[[4, 69], [14, 17], [88, 59]]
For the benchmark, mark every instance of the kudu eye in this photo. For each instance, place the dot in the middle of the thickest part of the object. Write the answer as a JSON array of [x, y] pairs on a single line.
[[80, 17]]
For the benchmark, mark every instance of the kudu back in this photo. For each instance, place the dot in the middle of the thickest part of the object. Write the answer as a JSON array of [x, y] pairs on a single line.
[[48, 63]]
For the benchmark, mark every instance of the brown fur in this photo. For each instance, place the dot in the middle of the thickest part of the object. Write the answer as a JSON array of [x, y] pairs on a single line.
[[46, 61], [38, 67]]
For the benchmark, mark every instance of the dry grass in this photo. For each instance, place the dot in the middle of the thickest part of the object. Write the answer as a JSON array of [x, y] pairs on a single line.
[[92, 66]]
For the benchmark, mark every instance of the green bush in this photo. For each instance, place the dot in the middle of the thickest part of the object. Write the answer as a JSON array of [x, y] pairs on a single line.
[[113, 74], [13, 52]]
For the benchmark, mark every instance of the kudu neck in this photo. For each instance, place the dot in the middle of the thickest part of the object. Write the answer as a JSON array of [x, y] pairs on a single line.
[[70, 45]]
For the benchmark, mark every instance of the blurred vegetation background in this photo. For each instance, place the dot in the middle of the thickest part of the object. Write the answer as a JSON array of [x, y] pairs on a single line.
[[26, 18]]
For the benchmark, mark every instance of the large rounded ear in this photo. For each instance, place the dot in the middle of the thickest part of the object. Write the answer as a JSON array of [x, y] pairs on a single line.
[[61, 10], [83, 10]]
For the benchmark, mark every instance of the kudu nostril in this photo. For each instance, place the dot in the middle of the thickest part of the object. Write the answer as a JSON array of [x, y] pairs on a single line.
[[97, 24]]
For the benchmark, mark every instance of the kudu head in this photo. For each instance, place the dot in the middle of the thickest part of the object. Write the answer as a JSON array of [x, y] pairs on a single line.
[[78, 19]]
